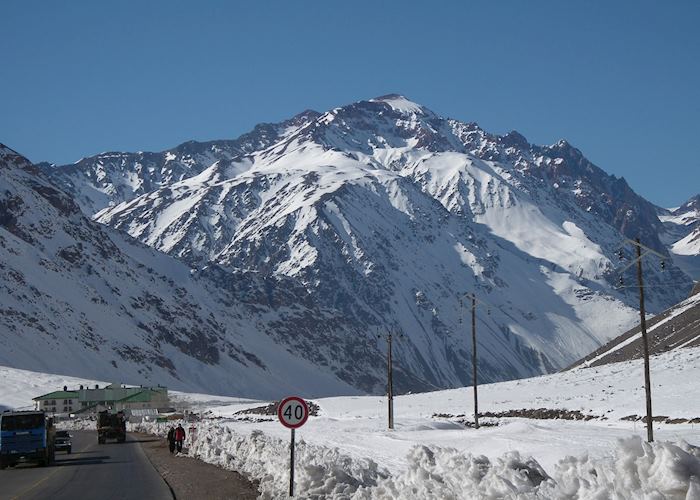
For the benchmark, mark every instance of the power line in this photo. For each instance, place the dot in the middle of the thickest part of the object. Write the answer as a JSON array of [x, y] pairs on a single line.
[[669, 285], [406, 372]]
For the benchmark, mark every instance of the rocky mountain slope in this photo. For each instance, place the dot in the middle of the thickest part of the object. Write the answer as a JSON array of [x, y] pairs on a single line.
[[111, 178], [80, 298], [677, 327], [388, 213]]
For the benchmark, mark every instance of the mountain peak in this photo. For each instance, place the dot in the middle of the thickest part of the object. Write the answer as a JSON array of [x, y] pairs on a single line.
[[692, 204], [5, 151], [515, 138], [401, 103], [10, 156]]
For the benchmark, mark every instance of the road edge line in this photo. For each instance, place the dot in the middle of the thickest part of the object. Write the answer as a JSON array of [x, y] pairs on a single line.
[[172, 491]]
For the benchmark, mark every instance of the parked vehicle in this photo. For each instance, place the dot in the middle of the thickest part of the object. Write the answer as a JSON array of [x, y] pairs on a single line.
[[111, 426], [26, 436], [62, 441]]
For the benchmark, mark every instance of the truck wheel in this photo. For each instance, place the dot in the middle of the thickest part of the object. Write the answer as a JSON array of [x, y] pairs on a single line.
[[3, 465]]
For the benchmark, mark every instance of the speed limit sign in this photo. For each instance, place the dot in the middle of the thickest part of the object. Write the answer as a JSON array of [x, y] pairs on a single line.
[[293, 412]]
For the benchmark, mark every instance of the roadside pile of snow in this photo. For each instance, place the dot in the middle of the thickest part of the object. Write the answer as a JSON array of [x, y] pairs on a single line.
[[320, 472], [79, 424], [439, 473], [635, 469]]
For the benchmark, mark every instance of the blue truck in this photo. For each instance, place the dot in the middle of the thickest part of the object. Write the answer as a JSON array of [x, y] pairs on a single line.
[[26, 436]]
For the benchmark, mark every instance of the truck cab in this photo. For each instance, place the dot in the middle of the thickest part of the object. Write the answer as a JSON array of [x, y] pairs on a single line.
[[26, 436], [111, 426]]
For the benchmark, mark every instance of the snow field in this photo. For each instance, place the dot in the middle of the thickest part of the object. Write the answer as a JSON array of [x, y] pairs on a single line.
[[347, 452]]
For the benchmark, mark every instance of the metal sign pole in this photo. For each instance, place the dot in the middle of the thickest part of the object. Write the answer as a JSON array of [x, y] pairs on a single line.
[[390, 385], [291, 467], [292, 412], [476, 404]]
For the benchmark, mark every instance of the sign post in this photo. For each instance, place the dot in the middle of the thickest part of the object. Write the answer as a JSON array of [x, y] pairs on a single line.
[[292, 412], [193, 434]]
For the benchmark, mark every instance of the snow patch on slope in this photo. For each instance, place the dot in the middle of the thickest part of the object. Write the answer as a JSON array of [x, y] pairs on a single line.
[[400, 103]]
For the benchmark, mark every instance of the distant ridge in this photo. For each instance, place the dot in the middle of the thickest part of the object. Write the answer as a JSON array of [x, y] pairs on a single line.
[[675, 328]]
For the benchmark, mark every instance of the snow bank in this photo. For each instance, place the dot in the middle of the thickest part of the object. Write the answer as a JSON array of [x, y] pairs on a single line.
[[79, 424], [320, 472], [635, 469], [449, 474]]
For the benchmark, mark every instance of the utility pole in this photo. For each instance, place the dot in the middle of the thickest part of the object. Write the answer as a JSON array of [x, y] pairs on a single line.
[[390, 383], [475, 380], [645, 342], [643, 324], [390, 374], [476, 405]]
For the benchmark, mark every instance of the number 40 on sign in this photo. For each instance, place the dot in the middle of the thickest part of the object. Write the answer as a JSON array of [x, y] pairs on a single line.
[[293, 412]]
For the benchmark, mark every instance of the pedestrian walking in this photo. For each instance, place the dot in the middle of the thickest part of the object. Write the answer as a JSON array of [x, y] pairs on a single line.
[[179, 437], [171, 439]]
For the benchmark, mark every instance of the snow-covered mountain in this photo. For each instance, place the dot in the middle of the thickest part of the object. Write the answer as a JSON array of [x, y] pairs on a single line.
[[388, 213], [682, 234], [81, 299]]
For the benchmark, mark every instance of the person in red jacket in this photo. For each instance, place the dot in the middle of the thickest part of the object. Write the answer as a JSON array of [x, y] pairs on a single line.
[[179, 437]]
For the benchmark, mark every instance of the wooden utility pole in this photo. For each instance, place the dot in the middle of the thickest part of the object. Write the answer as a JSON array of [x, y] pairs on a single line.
[[390, 384], [643, 322], [476, 404], [645, 342], [475, 378]]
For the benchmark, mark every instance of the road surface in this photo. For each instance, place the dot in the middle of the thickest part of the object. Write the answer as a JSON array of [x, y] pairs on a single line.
[[104, 471]]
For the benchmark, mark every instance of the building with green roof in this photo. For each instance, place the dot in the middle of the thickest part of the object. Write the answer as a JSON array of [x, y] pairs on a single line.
[[112, 397], [64, 401]]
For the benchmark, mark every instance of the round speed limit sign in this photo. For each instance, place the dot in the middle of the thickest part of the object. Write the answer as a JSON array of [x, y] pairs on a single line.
[[293, 412]]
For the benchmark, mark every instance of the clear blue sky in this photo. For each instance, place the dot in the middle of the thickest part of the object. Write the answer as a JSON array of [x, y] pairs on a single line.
[[620, 80]]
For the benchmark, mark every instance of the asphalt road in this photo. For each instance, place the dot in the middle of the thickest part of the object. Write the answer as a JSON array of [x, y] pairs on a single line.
[[104, 471]]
